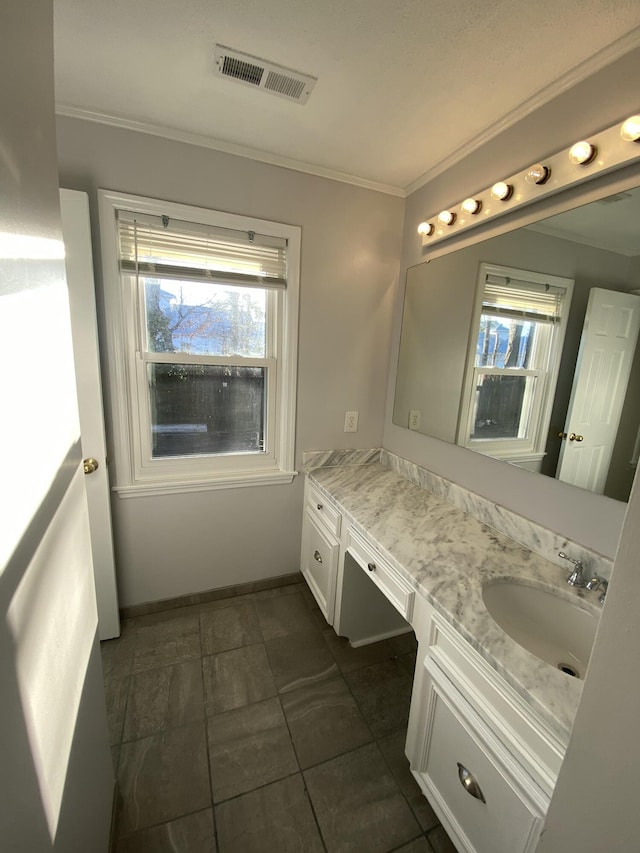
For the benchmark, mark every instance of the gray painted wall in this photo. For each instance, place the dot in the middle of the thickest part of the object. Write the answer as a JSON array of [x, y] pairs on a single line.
[[172, 545], [592, 105], [594, 807]]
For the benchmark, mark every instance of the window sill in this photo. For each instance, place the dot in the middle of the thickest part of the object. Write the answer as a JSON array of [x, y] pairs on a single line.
[[231, 481]]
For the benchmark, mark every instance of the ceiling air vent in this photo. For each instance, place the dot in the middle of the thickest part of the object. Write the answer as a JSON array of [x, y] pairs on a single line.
[[262, 74]]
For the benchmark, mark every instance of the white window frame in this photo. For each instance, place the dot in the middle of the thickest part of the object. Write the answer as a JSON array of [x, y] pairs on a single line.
[[530, 448], [136, 472]]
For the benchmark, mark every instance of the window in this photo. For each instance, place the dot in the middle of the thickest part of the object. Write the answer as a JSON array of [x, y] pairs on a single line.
[[202, 308], [514, 356]]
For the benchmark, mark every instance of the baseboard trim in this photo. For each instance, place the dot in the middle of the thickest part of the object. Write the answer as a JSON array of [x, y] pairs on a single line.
[[209, 595]]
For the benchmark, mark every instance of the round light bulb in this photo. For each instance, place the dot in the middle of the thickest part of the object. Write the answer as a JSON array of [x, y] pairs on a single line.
[[501, 191], [582, 153], [426, 229], [630, 130], [537, 174], [471, 205], [447, 217]]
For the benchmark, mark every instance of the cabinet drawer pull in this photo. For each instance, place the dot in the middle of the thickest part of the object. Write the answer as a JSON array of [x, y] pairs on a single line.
[[371, 567], [320, 506], [317, 557], [469, 783]]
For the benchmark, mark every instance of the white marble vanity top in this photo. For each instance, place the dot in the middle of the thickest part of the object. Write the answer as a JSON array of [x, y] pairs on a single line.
[[447, 555]]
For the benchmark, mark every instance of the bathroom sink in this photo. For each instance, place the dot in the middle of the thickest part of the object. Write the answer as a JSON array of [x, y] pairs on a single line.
[[556, 629]]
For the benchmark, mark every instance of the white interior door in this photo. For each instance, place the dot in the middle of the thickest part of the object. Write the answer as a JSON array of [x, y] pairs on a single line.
[[79, 265], [604, 361]]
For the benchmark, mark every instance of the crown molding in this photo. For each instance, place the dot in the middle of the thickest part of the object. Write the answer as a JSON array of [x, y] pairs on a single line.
[[203, 141], [576, 75]]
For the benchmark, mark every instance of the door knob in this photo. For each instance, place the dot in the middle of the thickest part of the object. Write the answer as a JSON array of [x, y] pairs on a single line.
[[90, 465], [575, 437]]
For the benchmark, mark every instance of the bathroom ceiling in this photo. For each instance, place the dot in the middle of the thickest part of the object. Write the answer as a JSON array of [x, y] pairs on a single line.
[[404, 87]]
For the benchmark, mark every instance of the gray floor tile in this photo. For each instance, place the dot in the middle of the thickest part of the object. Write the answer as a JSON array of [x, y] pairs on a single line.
[[324, 721], [115, 693], [273, 819], [358, 804], [117, 654], [229, 628], [191, 834], [166, 638], [236, 678], [285, 589], [164, 698], [349, 658], [408, 661], [284, 615], [312, 604], [163, 777], [440, 841], [226, 601], [115, 759], [300, 660], [383, 693], [404, 643], [420, 845], [392, 748], [248, 748]]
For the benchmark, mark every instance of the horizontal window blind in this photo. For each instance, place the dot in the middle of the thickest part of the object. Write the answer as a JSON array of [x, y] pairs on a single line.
[[164, 248], [508, 297]]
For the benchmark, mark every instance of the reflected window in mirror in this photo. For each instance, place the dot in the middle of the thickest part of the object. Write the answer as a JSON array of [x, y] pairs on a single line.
[[518, 331]]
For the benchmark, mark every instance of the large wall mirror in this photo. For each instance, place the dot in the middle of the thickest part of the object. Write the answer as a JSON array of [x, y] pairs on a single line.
[[524, 347]]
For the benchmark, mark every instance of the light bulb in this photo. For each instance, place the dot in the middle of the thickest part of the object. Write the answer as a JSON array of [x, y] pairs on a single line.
[[447, 217], [426, 229], [582, 153], [630, 130], [501, 191], [537, 174], [471, 205]]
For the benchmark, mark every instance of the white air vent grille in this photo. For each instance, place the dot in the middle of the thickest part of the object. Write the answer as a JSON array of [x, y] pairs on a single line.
[[263, 74]]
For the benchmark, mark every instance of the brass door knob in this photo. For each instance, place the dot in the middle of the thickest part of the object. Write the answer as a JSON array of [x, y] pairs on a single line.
[[575, 437], [90, 465]]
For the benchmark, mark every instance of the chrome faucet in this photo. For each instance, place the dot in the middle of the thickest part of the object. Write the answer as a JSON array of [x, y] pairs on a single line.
[[575, 578], [597, 582]]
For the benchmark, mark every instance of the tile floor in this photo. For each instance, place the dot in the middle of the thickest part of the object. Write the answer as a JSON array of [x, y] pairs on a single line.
[[247, 725]]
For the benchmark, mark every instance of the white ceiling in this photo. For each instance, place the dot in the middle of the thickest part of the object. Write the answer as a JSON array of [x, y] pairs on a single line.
[[404, 86]]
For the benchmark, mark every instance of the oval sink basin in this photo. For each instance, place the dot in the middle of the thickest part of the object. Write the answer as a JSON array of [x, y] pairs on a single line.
[[559, 631]]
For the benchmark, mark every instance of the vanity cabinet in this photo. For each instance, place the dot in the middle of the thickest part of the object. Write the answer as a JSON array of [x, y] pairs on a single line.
[[320, 549], [486, 760], [486, 764]]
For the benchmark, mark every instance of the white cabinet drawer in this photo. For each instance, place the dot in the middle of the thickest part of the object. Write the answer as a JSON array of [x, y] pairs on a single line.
[[319, 564], [536, 745], [382, 573], [504, 820], [320, 509]]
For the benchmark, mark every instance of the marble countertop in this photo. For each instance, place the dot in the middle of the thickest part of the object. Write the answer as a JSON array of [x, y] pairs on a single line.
[[447, 556]]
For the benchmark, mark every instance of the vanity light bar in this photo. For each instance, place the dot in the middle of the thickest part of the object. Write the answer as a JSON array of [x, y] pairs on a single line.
[[601, 153]]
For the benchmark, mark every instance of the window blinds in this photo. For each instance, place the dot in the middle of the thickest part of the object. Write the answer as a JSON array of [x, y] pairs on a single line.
[[528, 300], [164, 248]]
